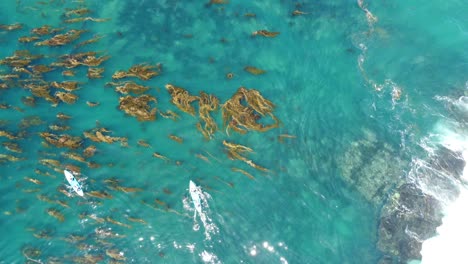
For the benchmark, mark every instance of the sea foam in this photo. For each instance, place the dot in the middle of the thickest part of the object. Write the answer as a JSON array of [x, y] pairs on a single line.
[[449, 245]]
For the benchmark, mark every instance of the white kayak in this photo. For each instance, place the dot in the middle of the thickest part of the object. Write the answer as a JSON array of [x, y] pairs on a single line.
[[73, 182], [196, 194]]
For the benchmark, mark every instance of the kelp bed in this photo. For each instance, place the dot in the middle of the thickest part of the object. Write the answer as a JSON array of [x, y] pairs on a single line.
[[246, 110]]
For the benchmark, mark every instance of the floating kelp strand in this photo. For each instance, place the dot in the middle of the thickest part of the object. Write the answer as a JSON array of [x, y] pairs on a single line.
[[265, 33], [61, 39], [62, 140], [56, 214], [68, 86], [89, 41], [28, 39], [298, 13], [12, 146], [101, 135], [235, 151], [45, 30], [159, 156], [254, 70], [141, 71], [128, 87], [176, 138], [29, 179], [11, 27], [82, 19], [7, 134], [83, 59], [250, 176], [281, 137], [143, 143], [169, 114], [206, 104], [115, 222], [77, 12]]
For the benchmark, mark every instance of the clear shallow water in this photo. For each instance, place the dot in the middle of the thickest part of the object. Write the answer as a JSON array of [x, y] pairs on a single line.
[[322, 74]]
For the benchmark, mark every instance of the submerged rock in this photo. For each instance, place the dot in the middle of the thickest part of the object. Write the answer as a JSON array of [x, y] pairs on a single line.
[[414, 211], [408, 218], [372, 168], [412, 207], [449, 162]]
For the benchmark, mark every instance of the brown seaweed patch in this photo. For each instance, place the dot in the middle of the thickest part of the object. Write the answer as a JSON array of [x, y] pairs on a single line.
[[68, 98], [56, 127], [43, 91], [89, 151], [68, 73], [12, 146], [28, 39], [61, 39], [139, 107], [62, 141], [28, 100], [141, 71], [242, 111], [29, 121], [7, 157], [95, 73], [7, 134], [40, 69], [63, 116], [45, 30], [68, 86], [84, 58], [20, 58], [182, 99]]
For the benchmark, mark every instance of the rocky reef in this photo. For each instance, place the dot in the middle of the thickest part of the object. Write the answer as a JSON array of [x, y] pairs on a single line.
[[414, 211], [407, 219], [411, 203], [371, 167]]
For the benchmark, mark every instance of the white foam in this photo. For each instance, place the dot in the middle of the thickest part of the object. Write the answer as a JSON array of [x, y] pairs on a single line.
[[449, 245], [204, 214]]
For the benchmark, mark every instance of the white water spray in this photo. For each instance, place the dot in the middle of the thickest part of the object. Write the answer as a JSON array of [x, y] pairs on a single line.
[[449, 245], [199, 199]]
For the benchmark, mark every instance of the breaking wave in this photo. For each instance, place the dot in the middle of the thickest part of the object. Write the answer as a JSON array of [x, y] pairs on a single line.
[[448, 246]]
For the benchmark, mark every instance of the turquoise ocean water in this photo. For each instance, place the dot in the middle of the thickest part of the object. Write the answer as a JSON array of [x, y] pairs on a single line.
[[358, 85]]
